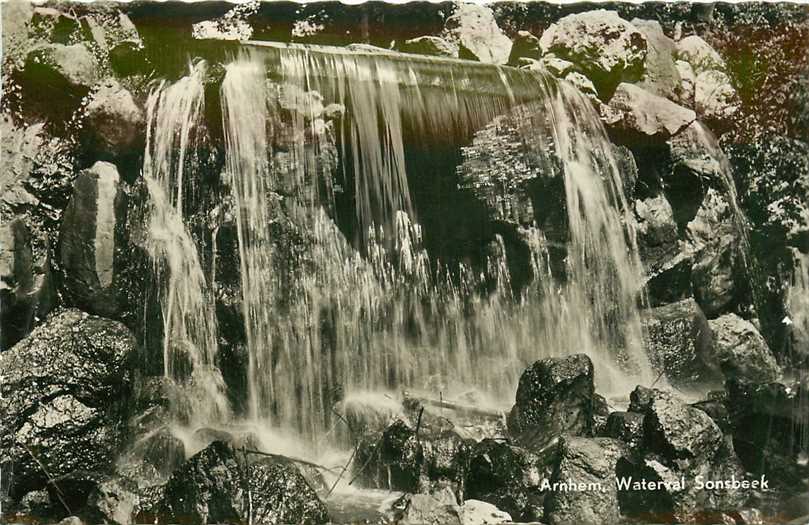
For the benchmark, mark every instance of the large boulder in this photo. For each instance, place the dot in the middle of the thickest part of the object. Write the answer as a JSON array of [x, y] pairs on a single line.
[[430, 45], [114, 120], [213, 487], [87, 242], [607, 48], [679, 343], [474, 30], [634, 110], [525, 46], [591, 462], [699, 54], [393, 460], [741, 352], [656, 230], [63, 388], [554, 397], [509, 477], [626, 426], [680, 442], [661, 75]]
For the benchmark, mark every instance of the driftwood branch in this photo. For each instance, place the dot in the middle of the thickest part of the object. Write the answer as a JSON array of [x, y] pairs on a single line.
[[294, 460], [461, 409]]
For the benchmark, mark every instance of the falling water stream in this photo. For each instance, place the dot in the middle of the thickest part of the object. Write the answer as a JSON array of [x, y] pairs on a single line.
[[392, 319], [377, 313]]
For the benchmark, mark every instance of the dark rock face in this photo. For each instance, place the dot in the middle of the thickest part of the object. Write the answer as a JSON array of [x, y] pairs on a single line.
[[680, 342], [88, 238], [605, 47], [214, 486], [677, 431], [114, 501], [768, 420], [60, 387], [626, 426], [394, 460], [525, 45], [741, 352], [508, 477], [554, 397], [585, 460], [73, 66]]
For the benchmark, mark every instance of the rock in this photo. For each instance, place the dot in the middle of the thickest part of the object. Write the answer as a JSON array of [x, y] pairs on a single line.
[[474, 512], [582, 83], [641, 398], [87, 240], [554, 397], [656, 230], [508, 477], [393, 460], [62, 394], [115, 122], [113, 501], [428, 509], [430, 45], [446, 458], [588, 461], [688, 81], [53, 25], [525, 45], [474, 30], [626, 426], [741, 352], [601, 412], [71, 67], [661, 75], [715, 99], [677, 431], [713, 238], [606, 48], [633, 109], [699, 54], [211, 486], [679, 442], [37, 505], [556, 66], [129, 58], [222, 29], [25, 295], [680, 343]]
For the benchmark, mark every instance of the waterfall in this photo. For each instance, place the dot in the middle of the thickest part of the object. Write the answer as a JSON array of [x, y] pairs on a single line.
[[385, 316], [174, 116]]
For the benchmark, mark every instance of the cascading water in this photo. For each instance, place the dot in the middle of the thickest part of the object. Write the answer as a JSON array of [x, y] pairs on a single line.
[[393, 319], [174, 115]]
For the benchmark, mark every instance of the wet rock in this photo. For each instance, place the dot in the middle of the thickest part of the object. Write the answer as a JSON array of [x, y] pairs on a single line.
[[430, 45], [640, 399], [525, 45], [508, 477], [605, 47], [680, 342], [446, 459], [556, 66], [393, 460], [71, 67], [211, 488], [582, 83], [660, 75], [115, 122], [474, 30], [669, 281], [635, 110], [62, 393], [474, 512], [741, 352], [113, 501], [626, 426], [87, 241], [554, 397], [678, 431], [589, 461], [601, 412]]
